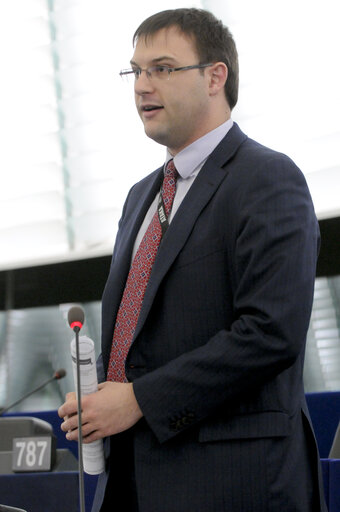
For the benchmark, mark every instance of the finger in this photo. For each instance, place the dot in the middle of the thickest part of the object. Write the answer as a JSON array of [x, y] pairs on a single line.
[[70, 397], [86, 430], [69, 408], [70, 423], [93, 436], [61, 411], [72, 435]]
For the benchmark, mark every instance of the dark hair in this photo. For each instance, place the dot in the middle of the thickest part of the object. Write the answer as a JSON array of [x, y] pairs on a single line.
[[213, 40]]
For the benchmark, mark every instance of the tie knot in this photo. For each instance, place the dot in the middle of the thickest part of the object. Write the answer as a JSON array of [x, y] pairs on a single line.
[[170, 170]]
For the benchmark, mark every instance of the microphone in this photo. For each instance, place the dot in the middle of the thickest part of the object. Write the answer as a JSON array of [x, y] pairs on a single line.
[[58, 374], [76, 318]]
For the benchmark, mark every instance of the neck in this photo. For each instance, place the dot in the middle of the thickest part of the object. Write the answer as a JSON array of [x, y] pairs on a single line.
[[174, 151]]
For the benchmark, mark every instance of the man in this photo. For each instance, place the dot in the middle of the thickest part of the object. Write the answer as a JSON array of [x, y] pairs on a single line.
[[203, 347]]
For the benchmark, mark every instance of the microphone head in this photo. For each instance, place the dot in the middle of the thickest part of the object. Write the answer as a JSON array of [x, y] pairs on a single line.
[[76, 317], [59, 374]]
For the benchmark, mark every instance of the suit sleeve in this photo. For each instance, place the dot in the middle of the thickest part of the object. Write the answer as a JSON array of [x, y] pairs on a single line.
[[272, 251]]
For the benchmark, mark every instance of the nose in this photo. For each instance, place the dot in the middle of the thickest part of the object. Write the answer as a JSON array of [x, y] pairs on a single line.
[[143, 84]]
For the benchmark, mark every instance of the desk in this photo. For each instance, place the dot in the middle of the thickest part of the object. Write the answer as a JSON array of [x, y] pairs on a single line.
[[41, 492], [55, 491]]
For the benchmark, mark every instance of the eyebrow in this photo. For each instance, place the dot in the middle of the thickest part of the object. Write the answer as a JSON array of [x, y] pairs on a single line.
[[156, 60]]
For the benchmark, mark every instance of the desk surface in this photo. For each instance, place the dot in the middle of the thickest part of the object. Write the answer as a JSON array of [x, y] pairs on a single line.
[[47, 492]]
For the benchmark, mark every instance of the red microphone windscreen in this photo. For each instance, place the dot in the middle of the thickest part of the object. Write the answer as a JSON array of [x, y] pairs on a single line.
[[76, 317], [59, 374]]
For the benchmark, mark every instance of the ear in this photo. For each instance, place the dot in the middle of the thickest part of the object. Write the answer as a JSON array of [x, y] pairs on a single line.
[[218, 77]]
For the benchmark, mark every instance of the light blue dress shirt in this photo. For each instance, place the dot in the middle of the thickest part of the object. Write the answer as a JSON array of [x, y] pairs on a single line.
[[188, 163]]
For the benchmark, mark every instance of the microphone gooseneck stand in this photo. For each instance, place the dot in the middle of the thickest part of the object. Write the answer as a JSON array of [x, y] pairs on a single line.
[[76, 318], [76, 330], [59, 374]]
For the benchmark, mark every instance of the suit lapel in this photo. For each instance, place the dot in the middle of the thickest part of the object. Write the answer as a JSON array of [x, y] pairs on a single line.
[[122, 258], [136, 218], [204, 187]]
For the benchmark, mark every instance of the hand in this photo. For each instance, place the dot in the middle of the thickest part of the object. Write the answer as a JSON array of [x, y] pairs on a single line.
[[112, 409]]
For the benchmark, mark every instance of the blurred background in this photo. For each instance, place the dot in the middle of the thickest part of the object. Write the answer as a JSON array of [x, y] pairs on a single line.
[[69, 135]]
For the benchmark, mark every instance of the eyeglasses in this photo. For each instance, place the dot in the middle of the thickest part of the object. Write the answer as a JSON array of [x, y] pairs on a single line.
[[159, 72]]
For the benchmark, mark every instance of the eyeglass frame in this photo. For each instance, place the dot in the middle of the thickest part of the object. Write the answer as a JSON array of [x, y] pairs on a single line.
[[127, 72]]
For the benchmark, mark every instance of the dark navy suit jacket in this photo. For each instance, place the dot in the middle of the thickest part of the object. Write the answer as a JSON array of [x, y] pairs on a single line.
[[217, 356]]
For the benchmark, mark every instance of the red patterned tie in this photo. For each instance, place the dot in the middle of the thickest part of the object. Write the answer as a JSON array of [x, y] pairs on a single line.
[[137, 281]]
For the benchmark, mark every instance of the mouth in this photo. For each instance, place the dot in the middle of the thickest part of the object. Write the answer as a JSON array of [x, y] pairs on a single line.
[[150, 108]]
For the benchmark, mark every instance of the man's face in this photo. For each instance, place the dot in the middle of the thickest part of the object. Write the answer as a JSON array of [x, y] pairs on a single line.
[[181, 105]]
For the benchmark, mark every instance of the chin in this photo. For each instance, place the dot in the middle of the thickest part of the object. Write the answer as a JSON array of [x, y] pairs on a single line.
[[157, 136]]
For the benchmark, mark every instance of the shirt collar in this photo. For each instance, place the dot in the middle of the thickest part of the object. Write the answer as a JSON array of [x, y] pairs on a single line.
[[192, 158]]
